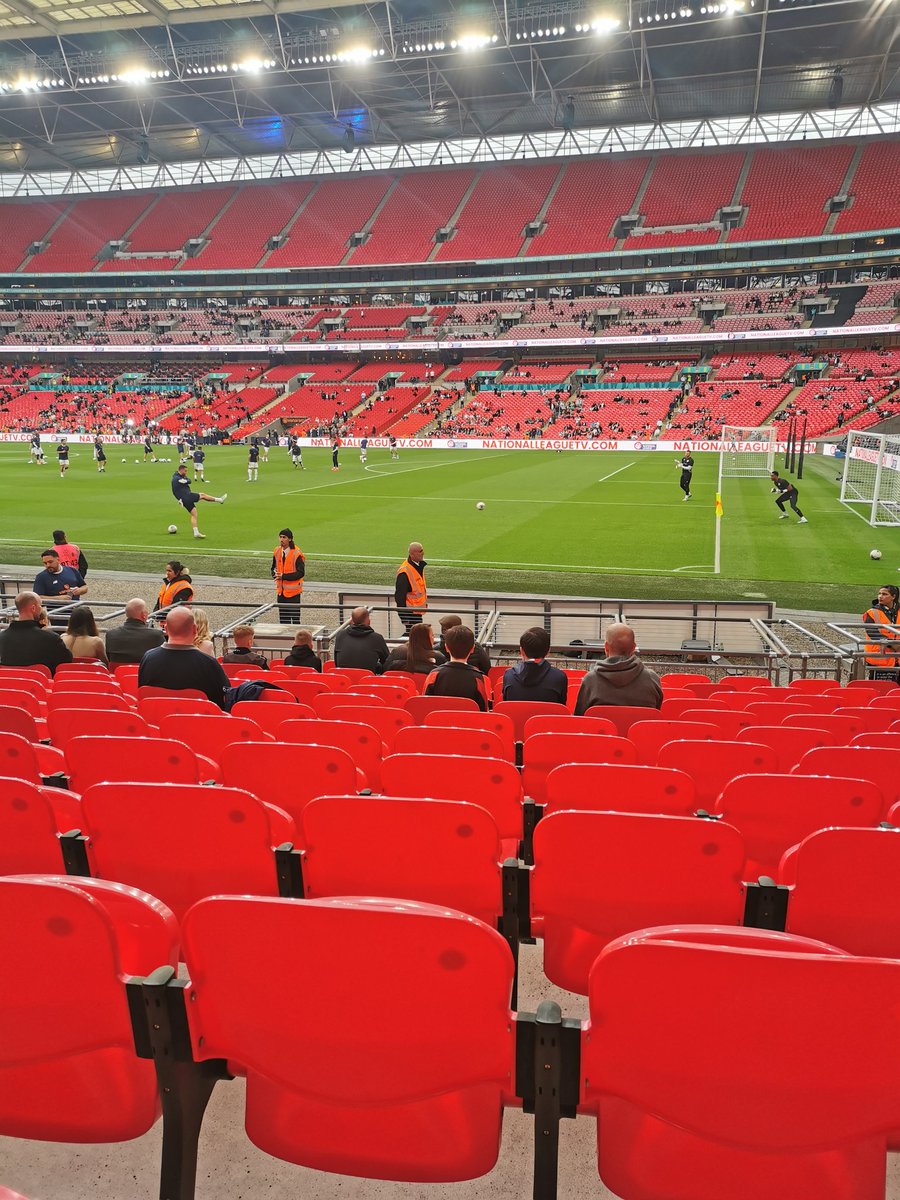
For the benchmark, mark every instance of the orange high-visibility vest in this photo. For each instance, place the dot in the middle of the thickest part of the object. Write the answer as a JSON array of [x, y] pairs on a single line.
[[875, 651], [286, 563], [418, 595], [169, 591]]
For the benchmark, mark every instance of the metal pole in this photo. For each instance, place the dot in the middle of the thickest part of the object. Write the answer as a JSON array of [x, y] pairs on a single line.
[[802, 450]]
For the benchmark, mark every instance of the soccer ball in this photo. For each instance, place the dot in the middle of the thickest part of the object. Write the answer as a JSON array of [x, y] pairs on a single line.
[[480, 505], [173, 529], [123, 460], [876, 554]]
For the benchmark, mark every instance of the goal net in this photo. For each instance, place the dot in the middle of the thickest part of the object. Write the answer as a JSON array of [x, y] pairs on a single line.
[[871, 481], [747, 451]]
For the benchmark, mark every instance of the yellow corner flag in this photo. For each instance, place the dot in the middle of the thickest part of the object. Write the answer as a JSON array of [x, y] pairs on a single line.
[[719, 510]]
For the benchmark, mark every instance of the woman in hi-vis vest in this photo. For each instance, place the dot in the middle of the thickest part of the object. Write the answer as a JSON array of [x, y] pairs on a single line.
[[288, 569]]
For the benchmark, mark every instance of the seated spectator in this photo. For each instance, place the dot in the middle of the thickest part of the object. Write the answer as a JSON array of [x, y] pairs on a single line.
[[480, 658], [243, 651], [620, 678], [418, 656], [533, 678], [302, 654], [26, 643], [202, 638], [179, 664], [458, 677], [82, 636], [359, 645], [58, 584], [128, 643]]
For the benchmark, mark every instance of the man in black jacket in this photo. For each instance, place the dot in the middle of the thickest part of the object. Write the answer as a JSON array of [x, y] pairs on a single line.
[[479, 658], [359, 645], [129, 643], [24, 643], [533, 678]]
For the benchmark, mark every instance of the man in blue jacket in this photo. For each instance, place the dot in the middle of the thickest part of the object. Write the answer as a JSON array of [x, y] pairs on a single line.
[[533, 678]]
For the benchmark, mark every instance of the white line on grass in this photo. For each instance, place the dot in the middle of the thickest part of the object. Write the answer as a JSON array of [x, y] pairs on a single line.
[[448, 462], [616, 472], [694, 567], [717, 566]]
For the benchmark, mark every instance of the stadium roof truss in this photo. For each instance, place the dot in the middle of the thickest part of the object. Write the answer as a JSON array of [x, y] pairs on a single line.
[[248, 88]]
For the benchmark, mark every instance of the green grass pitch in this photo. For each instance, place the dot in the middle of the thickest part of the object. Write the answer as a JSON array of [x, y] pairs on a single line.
[[572, 523]]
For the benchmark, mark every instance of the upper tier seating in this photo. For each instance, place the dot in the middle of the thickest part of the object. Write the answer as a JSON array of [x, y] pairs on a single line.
[[419, 205], [89, 225], [336, 209], [24, 222], [687, 189], [591, 195], [874, 190], [174, 218], [493, 219], [238, 238], [786, 190]]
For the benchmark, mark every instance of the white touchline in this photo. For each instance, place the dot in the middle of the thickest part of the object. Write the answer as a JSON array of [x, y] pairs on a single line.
[[447, 462], [616, 472]]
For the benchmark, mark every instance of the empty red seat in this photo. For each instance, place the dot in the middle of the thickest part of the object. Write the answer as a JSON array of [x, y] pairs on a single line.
[[20, 759], [598, 875], [623, 716], [419, 707], [566, 723], [743, 683], [776, 812], [38, 671], [881, 767], [610, 787], [182, 842], [674, 710], [270, 717], [889, 701], [494, 722], [474, 743], [305, 690], [105, 759], [813, 686], [364, 1075], [101, 700], [70, 1074], [883, 687], [67, 723], [320, 771], [362, 742], [712, 764], [542, 752], [154, 708], [887, 741], [148, 691], [30, 819], [789, 742], [388, 721], [682, 679], [874, 720], [729, 722], [20, 722], [519, 711], [394, 692], [326, 704], [771, 713], [843, 728], [648, 737], [352, 673], [210, 735]]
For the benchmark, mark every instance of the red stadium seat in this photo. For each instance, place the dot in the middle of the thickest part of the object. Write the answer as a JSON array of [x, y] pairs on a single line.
[[875, 720], [303, 773], [542, 752], [361, 742], [494, 722], [395, 688], [729, 722], [352, 673], [67, 723], [623, 716], [20, 759], [183, 842], [599, 787], [304, 690], [147, 692], [881, 703], [819, 703], [327, 703], [887, 741], [712, 764], [843, 728], [21, 722], [648, 737], [388, 721], [104, 701], [37, 689], [559, 723], [813, 686], [155, 709], [766, 713], [777, 811], [93, 669], [435, 851], [270, 717], [280, 665], [519, 711], [881, 767], [789, 742], [85, 681], [277, 696], [38, 672], [209, 735], [865, 860], [674, 710], [683, 679], [419, 707], [743, 683], [473, 743], [29, 706], [822, 1129], [883, 687], [492, 783], [704, 691], [599, 875], [129, 760], [861, 695], [366, 1080], [29, 825], [71, 1074]]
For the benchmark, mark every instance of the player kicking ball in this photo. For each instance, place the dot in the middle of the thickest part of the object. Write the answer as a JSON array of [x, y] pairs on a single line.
[[181, 490]]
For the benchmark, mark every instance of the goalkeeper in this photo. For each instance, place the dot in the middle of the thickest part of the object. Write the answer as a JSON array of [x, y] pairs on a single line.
[[787, 493], [686, 466]]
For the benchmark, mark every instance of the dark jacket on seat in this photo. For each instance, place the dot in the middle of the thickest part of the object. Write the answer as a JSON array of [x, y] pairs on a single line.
[[534, 679], [26, 644]]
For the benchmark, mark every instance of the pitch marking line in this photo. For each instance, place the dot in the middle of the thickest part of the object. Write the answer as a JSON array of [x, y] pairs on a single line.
[[617, 471], [375, 474]]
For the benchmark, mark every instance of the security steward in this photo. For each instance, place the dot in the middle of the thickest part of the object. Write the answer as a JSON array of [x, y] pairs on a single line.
[[883, 646], [177, 587], [410, 592], [288, 569]]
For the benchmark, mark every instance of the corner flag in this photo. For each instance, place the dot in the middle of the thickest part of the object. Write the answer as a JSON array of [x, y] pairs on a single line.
[[719, 510]]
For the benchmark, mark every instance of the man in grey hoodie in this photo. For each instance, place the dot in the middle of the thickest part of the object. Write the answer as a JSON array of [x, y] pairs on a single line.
[[620, 678]]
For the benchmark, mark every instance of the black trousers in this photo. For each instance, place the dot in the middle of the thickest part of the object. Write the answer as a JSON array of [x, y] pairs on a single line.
[[289, 610], [685, 483], [791, 499]]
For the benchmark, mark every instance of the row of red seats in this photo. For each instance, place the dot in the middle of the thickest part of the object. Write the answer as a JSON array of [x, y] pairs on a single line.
[[398, 1065]]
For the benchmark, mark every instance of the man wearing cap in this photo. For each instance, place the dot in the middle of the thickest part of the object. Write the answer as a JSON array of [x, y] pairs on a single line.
[[288, 569]]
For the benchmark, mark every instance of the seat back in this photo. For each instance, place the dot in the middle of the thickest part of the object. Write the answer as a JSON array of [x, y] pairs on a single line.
[[867, 861], [491, 782], [209, 735], [788, 742], [388, 721], [70, 1074], [542, 752], [181, 842], [772, 712], [519, 712], [648, 737], [351, 673], [598, 875], [557, 723], [337, 1085], [775, 812], [743, 683], [890, 700], [305, 690], [887, 741], [419, 707], [303, 773], [473, 743], [493, 722], [81, 698], [394, 692], [154, 709], [326, 704], [17, 720], [682, 679], [18, 758], [712, 764], [361, 742], [874, 720], [38, 672], [148, 691], [811, 686], [28, 841], [843, 728], [610, 787], [883, 687], [67, 723], [436, 851], [674, 709], [623, 716], [881, 767], [270, 717], [107, 759]]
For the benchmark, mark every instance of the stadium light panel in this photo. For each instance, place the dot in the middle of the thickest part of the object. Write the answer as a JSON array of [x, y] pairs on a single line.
[[473, 41]]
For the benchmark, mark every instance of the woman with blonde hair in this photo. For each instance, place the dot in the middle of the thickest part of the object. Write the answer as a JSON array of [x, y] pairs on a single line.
[[202, 638]]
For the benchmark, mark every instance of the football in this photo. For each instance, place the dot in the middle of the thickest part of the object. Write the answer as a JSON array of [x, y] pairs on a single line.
[[173, 529], [876, 554], [480, 505]]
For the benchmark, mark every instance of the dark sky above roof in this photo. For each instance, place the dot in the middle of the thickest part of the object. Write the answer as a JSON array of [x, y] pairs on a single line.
[[777, 55]]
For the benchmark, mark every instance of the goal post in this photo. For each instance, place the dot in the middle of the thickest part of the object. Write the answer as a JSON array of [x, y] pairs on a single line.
[[747, 452], [870, 485]]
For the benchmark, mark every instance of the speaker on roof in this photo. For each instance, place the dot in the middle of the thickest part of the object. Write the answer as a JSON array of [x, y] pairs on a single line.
[[836, 91], [567, 119], [348, 141]]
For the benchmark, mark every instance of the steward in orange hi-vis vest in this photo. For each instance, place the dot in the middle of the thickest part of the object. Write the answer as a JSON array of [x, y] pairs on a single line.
[[410, 592], [288, 569], [883, 646]]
